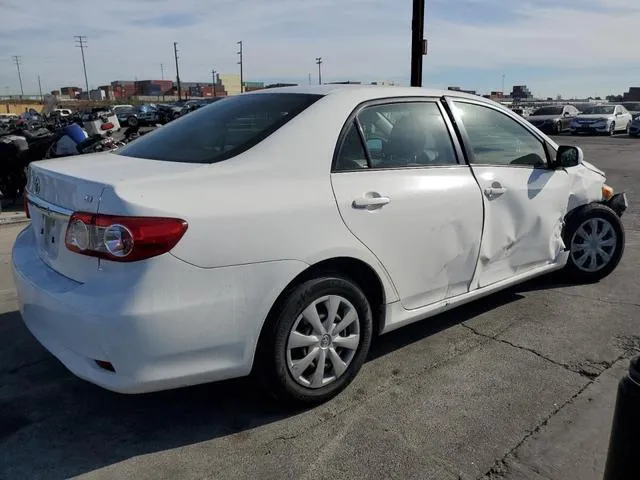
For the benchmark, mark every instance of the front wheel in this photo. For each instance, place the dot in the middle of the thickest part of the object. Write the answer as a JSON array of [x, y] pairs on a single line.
[[612, 128], [316, 342], [595, 237]]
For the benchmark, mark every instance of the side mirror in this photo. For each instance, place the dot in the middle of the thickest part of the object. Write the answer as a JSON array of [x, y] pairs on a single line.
[[618, 114], [568, 156], [566, 114]]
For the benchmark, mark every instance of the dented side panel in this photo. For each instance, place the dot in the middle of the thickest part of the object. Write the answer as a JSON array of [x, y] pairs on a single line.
[[427, 237], [523, 225]]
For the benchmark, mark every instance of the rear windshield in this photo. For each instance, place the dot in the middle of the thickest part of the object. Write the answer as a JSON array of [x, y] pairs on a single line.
[[221, 130]]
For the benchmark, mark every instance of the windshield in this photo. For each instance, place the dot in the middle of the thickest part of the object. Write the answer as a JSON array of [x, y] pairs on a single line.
[[221, 130], [548, 111], [599, 110], [632, 106]]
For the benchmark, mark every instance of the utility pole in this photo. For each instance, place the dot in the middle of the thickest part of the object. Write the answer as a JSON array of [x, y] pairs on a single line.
[[241, 65], [18, 59], [213, 85], [309, 78], [81, 43], [319, 63], [418, 43], [162, 71], [175, 52], [503, 84], [40, 88]]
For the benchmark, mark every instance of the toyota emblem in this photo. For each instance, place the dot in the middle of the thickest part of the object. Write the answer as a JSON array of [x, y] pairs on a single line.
[[36, 185]]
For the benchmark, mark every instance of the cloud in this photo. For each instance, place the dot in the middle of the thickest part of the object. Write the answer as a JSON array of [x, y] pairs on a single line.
[[556, 46]]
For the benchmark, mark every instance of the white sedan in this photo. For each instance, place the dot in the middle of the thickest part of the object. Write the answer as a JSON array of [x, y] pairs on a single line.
[[607, 119], [278, 231]]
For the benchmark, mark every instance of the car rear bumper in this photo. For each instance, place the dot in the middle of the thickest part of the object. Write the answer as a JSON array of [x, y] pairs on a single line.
[[161, 323]]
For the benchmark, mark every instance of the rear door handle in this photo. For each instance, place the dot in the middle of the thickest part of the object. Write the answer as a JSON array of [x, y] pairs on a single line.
[[370, 202], [494, 191]]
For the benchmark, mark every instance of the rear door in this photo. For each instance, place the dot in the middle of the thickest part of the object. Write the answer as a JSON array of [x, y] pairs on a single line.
[[403, 193], [524, 200]]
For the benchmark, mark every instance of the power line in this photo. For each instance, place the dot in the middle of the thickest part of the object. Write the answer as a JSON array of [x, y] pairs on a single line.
[[81, 43], [18, 59], [319, 63], [241, 65], [175, 52]]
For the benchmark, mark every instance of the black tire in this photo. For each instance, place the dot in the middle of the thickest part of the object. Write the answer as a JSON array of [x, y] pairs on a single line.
[[271, 367], [132, 121], [574, 133], [612, 129], [575, 220]]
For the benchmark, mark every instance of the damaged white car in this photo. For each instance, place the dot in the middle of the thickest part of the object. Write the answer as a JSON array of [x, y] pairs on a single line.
[[278, 231]]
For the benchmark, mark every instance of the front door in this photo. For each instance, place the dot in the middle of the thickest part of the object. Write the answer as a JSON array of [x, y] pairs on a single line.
[[524, 201], [402, 192]]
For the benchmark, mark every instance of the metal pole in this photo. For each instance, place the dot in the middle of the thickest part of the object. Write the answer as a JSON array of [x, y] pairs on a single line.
[[213, 85], [319, 63], [417, 43], [241, 68], [81, 41], [503, 84], [17, 59], [40, 88], [175, 52], [309, 78]]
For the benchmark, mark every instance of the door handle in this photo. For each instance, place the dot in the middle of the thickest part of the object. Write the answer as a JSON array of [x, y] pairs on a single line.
[[370, 202], [494, 191]]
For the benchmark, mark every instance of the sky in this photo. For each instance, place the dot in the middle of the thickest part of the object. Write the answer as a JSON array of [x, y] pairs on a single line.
[[556, 47]]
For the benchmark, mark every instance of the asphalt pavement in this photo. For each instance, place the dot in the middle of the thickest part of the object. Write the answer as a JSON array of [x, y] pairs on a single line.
[[519, 385]]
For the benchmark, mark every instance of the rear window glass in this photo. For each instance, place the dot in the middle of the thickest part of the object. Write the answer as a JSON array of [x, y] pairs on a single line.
[[221, 130]]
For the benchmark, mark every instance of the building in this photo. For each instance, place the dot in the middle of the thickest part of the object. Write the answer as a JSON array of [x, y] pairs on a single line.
[[521, 92], [123, 89], [633, 95], [230, 83], [152, 87], [71, 92]]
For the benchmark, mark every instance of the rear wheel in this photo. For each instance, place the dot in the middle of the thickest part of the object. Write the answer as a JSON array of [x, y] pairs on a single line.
[[595, 237], [132, 121], [316, 341]]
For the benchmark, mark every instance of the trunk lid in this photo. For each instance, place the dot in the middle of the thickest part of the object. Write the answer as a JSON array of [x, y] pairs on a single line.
[[57, 188]]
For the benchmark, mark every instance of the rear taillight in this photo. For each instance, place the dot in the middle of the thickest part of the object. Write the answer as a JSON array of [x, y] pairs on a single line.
[[122, 239], [25, 204]]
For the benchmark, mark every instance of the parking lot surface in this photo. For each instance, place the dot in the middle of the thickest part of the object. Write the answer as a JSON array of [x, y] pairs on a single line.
[[519, 385]]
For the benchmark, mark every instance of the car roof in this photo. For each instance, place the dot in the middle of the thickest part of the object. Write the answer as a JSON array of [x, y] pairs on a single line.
[[371, 91]]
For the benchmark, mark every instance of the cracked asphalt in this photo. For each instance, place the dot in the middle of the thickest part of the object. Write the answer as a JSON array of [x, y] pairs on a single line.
[[519, 385]]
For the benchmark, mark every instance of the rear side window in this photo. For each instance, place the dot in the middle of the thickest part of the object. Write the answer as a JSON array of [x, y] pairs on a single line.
[[221, 130]]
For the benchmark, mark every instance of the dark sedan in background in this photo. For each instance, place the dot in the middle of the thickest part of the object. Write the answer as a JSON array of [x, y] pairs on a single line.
[[553, 119]]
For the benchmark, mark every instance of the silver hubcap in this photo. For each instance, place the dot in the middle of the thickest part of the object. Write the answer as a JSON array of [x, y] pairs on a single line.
[[593, 245], [323, 341]]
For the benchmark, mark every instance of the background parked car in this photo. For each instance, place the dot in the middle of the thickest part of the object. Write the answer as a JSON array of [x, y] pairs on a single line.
[[553, 119], [607, 119], [633, 108], [634, 127]]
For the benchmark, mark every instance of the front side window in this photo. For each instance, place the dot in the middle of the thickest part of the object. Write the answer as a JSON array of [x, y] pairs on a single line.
[[497, 139], [221, 130], [397, 135]]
